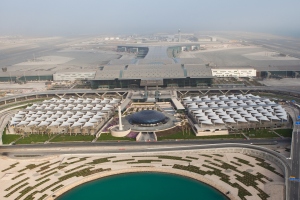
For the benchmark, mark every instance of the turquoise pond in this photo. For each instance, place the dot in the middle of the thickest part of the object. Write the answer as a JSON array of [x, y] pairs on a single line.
[[145, 186]]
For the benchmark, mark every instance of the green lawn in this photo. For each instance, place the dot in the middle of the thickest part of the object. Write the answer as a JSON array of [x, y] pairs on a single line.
[[266, 133], [7, 139], [285, 132], [108, 137], [72, 138], [33, 138], [179, 135]]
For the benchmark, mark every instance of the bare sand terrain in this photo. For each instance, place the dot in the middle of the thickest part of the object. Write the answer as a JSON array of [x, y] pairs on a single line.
[[268, 55], [46, 60], [282, 82]]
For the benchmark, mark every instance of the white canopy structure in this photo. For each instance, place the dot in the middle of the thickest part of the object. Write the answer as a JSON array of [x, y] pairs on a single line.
[[23, 123], [88, 124], [13, 123], [65, 124], [93, 120], [33, 123], [76, 124], [230, 120], [241, 120], [56, 123], [44, 124]]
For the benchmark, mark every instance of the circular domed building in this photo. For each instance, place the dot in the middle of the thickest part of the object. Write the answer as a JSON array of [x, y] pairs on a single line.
[[147, 117]]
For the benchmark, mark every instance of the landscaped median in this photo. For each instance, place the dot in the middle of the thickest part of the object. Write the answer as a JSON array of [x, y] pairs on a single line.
[[242, 175]]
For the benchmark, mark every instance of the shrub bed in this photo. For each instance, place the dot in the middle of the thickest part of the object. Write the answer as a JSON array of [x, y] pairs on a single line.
[[10, 167]]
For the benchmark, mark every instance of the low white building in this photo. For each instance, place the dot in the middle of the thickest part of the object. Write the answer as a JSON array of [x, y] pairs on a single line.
[[244, 72], [73, 75]]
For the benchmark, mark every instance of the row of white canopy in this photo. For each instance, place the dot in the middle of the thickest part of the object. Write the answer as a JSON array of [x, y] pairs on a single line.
[[94, 107], [221, 97], [61, 114], [216, 104], [240, 114], [58, 118]]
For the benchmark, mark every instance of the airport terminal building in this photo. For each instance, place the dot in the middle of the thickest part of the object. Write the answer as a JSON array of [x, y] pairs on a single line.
[[153, 66]]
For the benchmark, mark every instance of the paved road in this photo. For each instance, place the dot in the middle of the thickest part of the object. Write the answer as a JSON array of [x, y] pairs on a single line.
[[102, 147], [295, 154], [295, 90]]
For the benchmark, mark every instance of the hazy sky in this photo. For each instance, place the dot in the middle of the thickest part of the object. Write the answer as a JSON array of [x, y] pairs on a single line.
[[77, 17]]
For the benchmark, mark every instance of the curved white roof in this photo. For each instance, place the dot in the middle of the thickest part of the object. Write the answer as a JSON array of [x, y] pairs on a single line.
[[44, 123], [89, 113], [212, 114], [76, 117], [225, 117], [218, 121], [252, 119], [50, 120], [273, 117], [263, 118], [65, 124], [88, 124], [86, 117], [18, 116], [60, 120], [202, 118], [71, 120], [76, 124], [200, 115], [39, 120], [79, 113], [23, 123], [230, 120], [33, 123], [204, 106], [82, 120], [30, 119], [241, 120], [236, 116], [206, 122], [100, 113], [65, 116], [16, 119], [214, 117], [55, 123]]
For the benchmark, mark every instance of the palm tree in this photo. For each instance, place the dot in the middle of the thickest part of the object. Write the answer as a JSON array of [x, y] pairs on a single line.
[[32, 128], [47, 131]]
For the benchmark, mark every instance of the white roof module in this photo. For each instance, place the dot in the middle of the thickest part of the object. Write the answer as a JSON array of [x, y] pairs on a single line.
[[44, 124], [55, 124], [88, 124], [230, 120], [23, 123], [33, 123]]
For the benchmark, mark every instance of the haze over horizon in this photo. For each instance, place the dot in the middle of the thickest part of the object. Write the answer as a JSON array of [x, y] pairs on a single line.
[[74, 17]]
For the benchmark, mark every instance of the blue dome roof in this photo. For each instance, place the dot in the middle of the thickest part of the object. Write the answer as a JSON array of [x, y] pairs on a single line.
[[147, 117]]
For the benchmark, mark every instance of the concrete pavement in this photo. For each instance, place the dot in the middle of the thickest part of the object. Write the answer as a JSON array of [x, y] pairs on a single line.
[[295, 154]]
